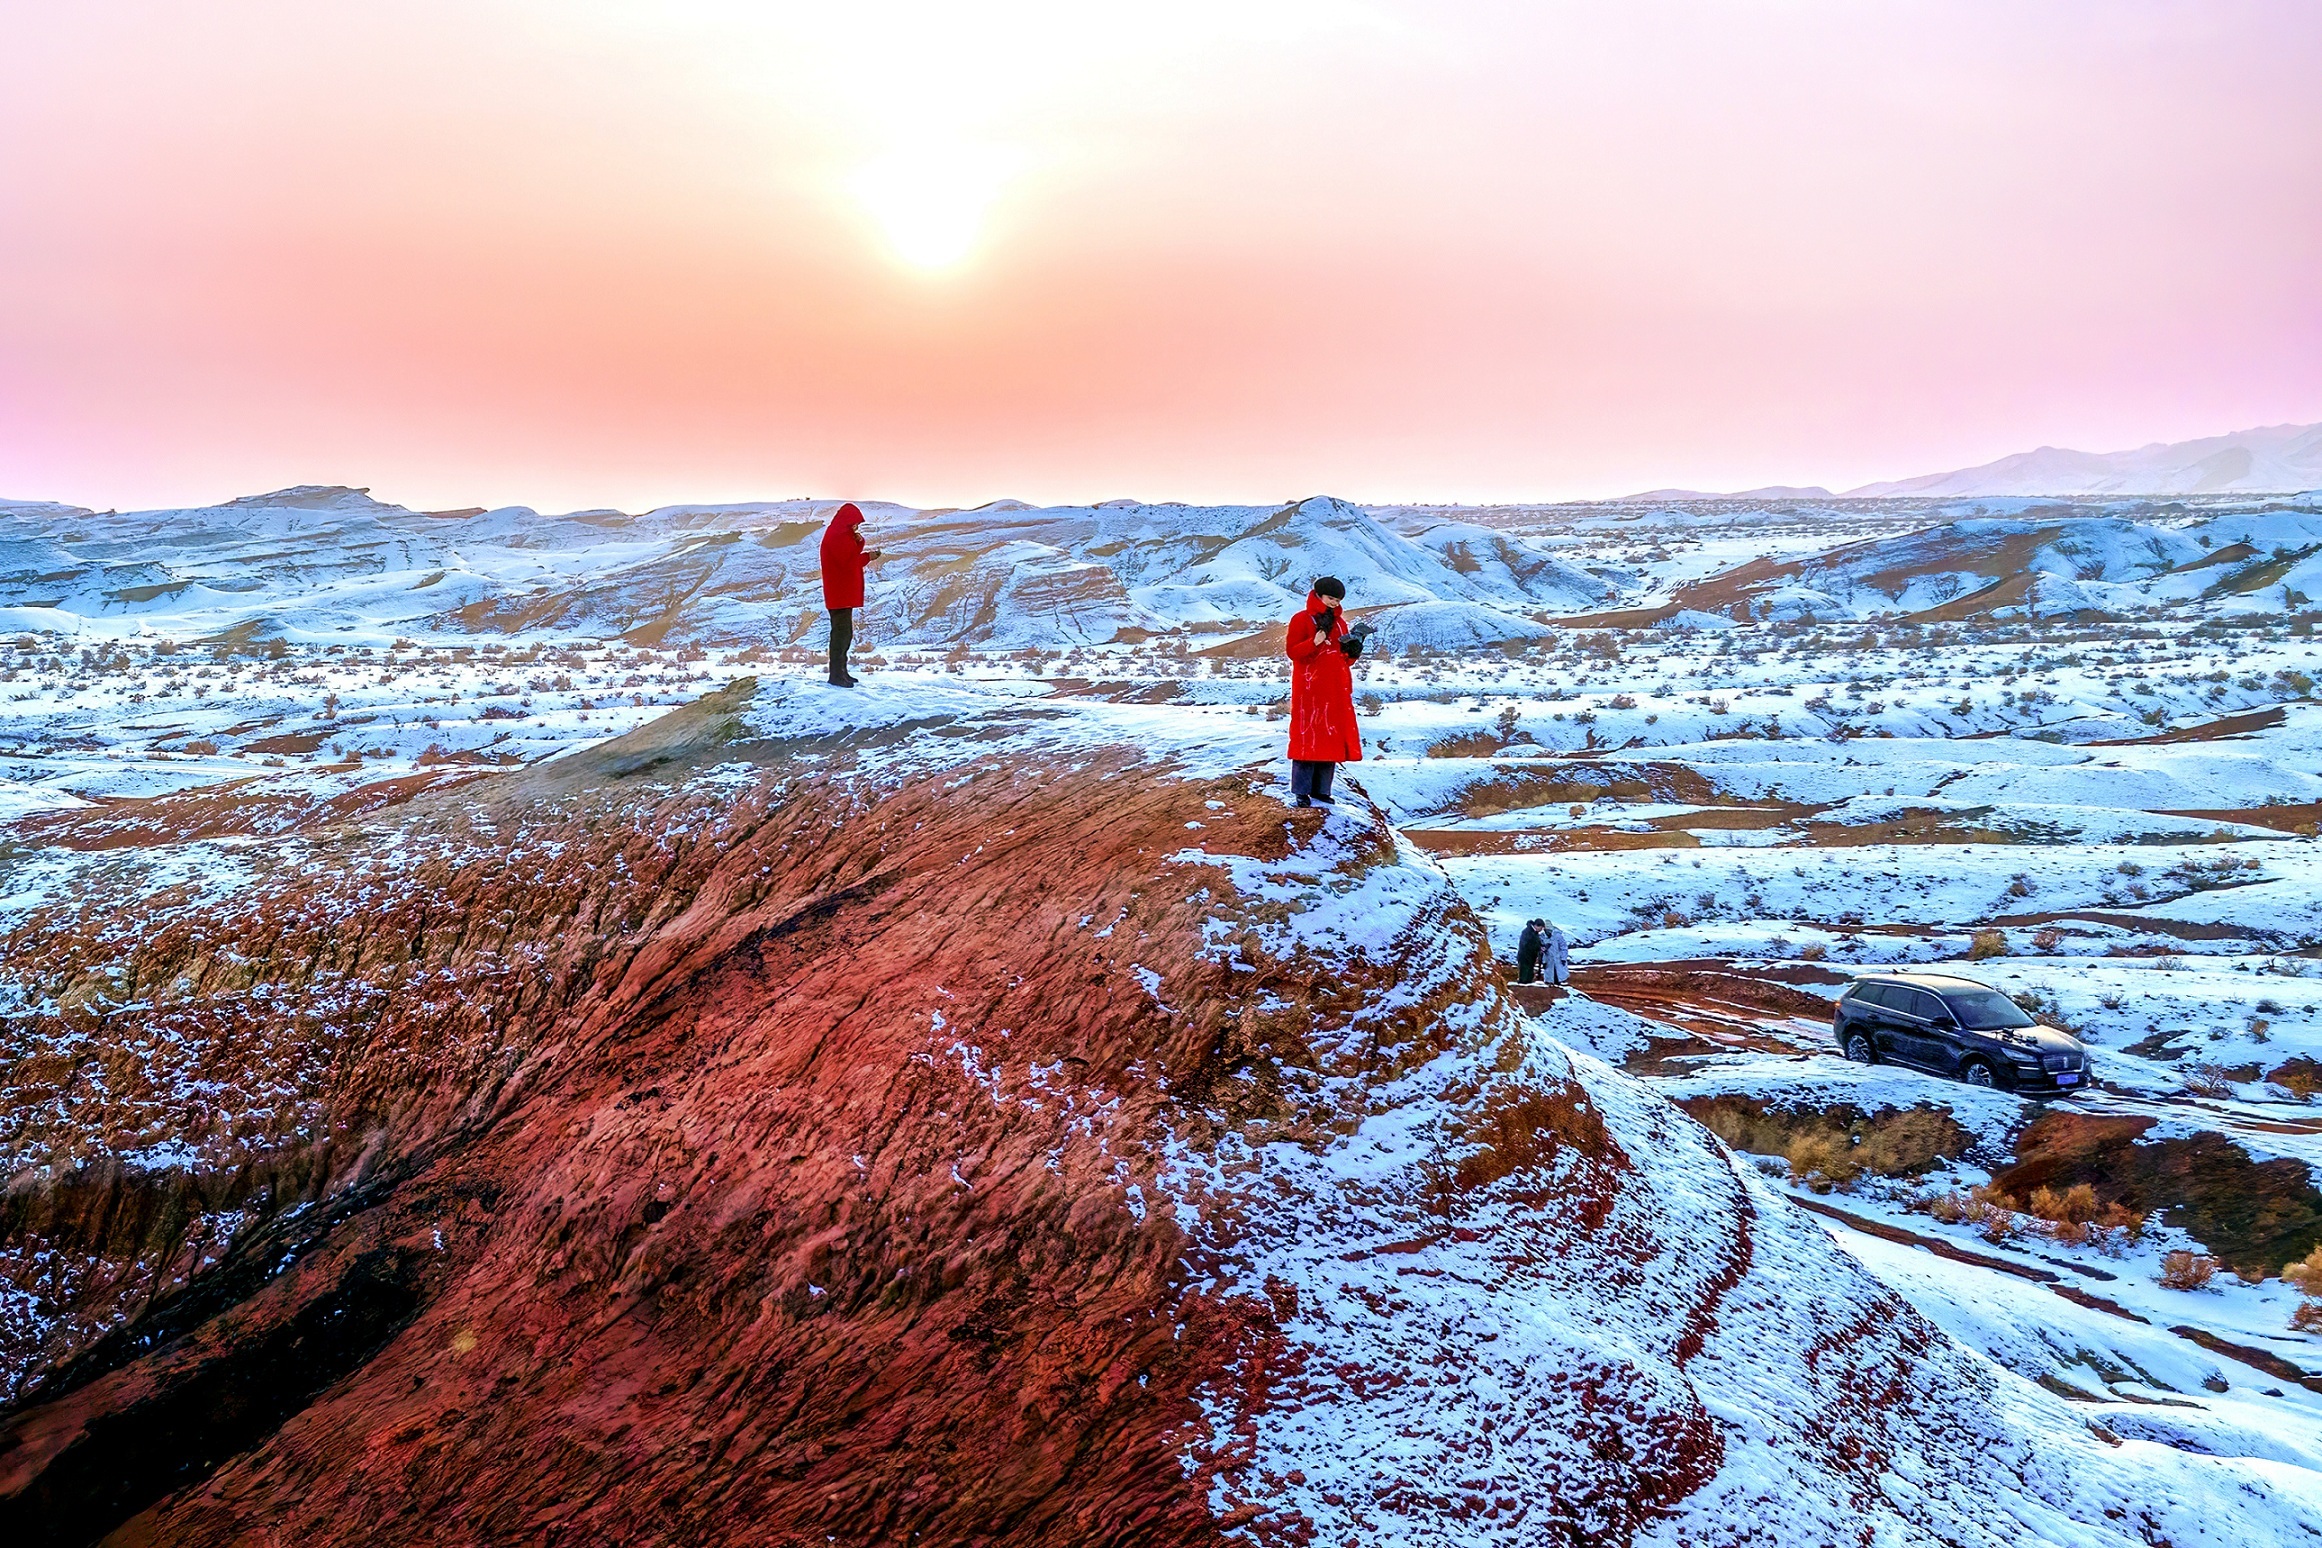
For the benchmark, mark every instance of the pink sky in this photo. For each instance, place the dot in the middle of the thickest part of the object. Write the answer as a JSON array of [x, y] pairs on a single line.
[[570, 253]]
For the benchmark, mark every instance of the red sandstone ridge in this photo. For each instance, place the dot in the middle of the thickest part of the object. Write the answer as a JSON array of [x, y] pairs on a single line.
[[752, 1131]]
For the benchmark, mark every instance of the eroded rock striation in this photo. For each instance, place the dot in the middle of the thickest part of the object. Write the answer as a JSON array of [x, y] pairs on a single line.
[[927, 1127]]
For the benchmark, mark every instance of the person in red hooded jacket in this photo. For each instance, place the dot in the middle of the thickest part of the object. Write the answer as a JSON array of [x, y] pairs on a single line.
[[843, 560], [1322, 652]]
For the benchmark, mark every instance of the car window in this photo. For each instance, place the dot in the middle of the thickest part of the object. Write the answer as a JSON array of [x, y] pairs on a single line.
[[1924, 1005], [1985, 1009], [1875, 994]]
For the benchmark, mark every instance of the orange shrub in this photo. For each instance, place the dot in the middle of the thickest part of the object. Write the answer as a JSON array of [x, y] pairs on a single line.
[[2183, 1270], [2305, 1275]]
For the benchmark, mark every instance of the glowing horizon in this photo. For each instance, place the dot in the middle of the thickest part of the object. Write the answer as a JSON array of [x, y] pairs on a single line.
[[598, 254]]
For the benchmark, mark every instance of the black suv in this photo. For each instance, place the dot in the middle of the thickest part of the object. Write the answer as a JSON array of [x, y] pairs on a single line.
[[1955, 1026]]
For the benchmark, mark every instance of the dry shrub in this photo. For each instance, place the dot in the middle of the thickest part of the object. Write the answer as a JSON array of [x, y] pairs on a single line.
[[2075, 1217], [1464, 744], [2186, 1270], [1901, 1144], [202, 747], [2301, 1077], [2046, 939], [2307, 1318], [1987, 943], [2305, 1275], [2130, 1223], [1993, 1214], [2208, 1079], [1813, 951], [2075, 1205], [1828, 1150], [1823, 1161]]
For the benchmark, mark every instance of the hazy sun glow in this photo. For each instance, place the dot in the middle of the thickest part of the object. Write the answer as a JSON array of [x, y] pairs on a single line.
[[610, 252], [931, 198]]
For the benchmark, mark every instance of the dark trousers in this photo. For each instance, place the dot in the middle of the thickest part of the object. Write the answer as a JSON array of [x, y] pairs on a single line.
[[842, 639], [1311, 779]]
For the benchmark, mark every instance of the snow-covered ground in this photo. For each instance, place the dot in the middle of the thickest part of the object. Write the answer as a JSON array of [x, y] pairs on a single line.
[[1767, 736]]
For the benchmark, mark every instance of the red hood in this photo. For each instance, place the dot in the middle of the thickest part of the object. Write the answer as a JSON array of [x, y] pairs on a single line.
[[847, 517], [1316, 602]]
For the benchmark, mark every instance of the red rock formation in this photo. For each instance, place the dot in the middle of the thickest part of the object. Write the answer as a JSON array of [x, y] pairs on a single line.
[[713, 1139]]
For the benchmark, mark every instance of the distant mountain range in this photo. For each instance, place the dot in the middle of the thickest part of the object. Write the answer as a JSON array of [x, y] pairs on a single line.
[[2277, 459]]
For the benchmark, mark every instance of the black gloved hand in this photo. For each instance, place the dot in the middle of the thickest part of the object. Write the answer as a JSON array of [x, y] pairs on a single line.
[[1352, 645]]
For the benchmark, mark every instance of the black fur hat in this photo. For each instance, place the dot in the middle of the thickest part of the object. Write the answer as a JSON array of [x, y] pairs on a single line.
[[1330, 586]]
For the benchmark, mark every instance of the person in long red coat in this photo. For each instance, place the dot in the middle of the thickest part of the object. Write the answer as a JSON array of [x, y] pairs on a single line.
[[843, 560], [1322, 651]]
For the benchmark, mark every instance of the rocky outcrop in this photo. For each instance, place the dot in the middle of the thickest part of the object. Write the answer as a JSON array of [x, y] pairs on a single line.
[[755, 1130]]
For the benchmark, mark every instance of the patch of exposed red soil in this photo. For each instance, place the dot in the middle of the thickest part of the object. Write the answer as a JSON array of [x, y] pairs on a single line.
[[2007, 591], [2246, 724], [2301, 818], [2261, 1359], [1675, 830], [1621, 618], [1724, 1008], [2151, 924], [215, 811], [2258, 576], [2257, 1359], [2231, 553], [290, 744], [1514, 788], [1167, 691], [1701, 1010], [1941, 1247], [1465, 842]]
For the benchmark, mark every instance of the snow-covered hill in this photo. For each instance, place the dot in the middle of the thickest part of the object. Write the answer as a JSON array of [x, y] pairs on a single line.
[[1006, 574]]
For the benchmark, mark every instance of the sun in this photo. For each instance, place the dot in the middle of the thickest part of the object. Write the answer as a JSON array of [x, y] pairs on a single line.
[[931, 199]]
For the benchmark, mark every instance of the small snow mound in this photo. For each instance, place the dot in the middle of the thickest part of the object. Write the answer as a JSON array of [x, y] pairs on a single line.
[[1450, 626], [1693, 618], [17, 799], [311, 497]]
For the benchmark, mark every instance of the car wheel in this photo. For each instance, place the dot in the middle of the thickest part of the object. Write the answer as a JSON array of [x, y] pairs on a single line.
[[1858, 1048], [1976, 1073]]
